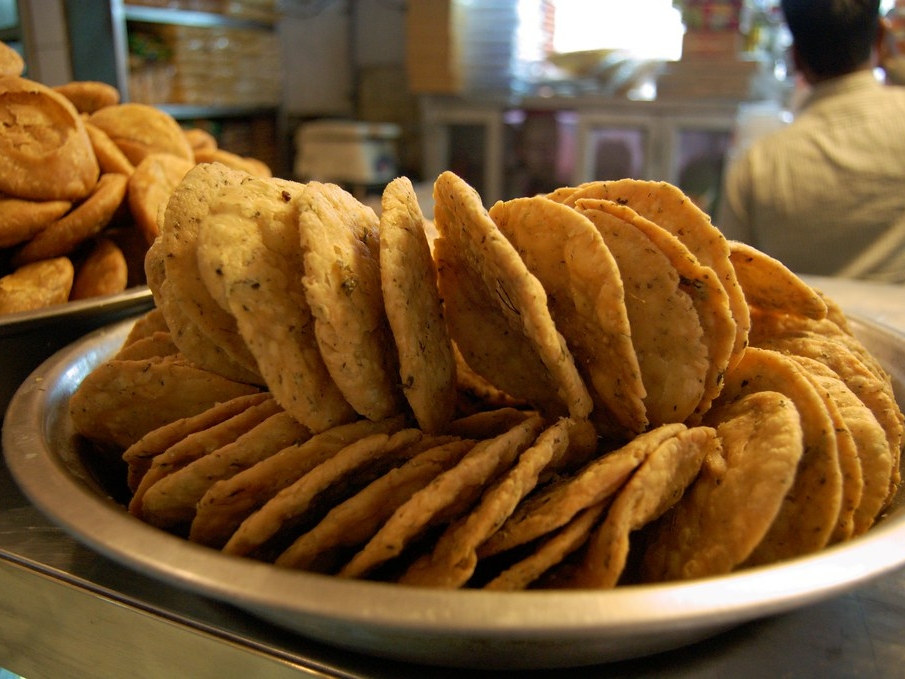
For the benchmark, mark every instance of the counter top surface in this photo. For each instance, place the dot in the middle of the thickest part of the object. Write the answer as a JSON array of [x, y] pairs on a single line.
[[66, 611]]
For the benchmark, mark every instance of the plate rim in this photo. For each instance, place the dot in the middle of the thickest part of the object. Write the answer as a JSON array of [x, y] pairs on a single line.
[[25, 321]]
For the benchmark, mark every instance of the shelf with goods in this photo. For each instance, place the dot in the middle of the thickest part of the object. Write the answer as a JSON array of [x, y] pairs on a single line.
[[209, 63]]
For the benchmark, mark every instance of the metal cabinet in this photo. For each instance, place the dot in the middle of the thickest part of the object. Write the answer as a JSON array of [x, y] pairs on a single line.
[[488, 143]]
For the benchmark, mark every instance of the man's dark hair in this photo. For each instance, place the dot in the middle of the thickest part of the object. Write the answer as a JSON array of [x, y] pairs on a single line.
[[832, 37]]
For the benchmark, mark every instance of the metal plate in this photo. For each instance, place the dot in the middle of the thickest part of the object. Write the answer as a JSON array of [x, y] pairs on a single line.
[[537, 629]]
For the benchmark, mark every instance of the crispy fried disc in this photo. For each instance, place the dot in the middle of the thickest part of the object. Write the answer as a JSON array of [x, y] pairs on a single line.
[[109, 156], [249, 257], [731, 505], [872, 453], [340, 243], [655, 487], [82, 222], [556, 504], [587, 303], [21, 219], [827, 382], [550, 552], [11, 62], [769, 285], [197, 445], [103, 271], [811, 507], [453, 559], [667, 206], [89, 95], [497, 310], [45, 152], [139, 455], [185, 210], [666, 329], [146, 325], [353, 522], [36, 285], [229, 502], [121, 401], [445, 498], [139, 130], [150, 187], [408, 275], [157, 344], [201, 140], [873, 390], [700, 283], [345, 473], [252, 166], [198, 347], [171, 501]]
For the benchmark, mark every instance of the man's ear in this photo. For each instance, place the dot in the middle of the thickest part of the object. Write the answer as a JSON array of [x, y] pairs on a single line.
[[886, 41]]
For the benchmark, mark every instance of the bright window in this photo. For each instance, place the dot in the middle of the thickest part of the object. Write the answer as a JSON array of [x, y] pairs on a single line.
[[647, 29]]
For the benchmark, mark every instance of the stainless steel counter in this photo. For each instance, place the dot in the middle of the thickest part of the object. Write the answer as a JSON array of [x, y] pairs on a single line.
[[67, 612]]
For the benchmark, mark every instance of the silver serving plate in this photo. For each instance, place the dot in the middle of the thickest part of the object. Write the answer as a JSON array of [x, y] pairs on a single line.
[[476, 629]]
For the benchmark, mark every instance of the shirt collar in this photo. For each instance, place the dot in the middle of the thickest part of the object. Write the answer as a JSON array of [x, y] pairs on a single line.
[[858, 81]]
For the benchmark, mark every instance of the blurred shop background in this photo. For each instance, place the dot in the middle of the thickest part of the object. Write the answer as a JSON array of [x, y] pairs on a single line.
[[517, 96]]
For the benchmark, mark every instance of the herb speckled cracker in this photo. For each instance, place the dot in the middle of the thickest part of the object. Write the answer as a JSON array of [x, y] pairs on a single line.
[[249, 256], [497, 309], [340, 242], [427, 366]]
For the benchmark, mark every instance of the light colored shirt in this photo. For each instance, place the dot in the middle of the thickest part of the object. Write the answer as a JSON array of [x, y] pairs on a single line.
[[825, 195]]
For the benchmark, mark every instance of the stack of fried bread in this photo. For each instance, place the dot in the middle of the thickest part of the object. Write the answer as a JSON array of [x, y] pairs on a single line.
[[583, 389], [82, 177]]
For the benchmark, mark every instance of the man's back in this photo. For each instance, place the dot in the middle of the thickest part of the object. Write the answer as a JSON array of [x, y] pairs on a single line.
[[820, 193]]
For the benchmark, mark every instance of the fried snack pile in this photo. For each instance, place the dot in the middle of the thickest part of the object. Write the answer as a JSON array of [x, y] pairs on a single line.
[[580, 390], [82, 177]]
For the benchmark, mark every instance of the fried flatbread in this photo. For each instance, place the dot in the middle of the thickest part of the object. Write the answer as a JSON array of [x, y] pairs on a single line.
[[340, 242], [229, 502], [445, 498], [36, 285], [87, 219], [170, 503], [666, 329], [811, 507], [408, 278], [667, 206], [729, 508], [556, 504], [103, 271], [703, 287], [249, 257], [139, 455], [550, 551], [587, 303], [452, 560], [121, 401], [150, 187], [768, 284], [655, 487], [497, 310], [871, 451], [187, 207], [349, 470], [198, 347], [353, 522], [197, 445], [21, 219]]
